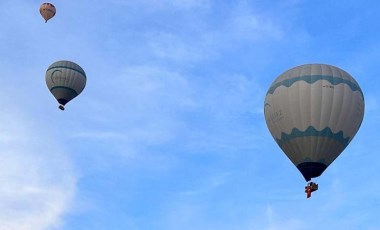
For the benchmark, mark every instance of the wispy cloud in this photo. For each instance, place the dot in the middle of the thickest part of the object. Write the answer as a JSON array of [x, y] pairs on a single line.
[[207, 184], [178, 49], [278, 222], [37, 180], [247, 24], [159, 104], [166, 4]]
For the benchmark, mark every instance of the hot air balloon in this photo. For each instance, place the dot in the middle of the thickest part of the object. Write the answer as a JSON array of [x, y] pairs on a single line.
[[47, 10], [313, 111], [65, 80]]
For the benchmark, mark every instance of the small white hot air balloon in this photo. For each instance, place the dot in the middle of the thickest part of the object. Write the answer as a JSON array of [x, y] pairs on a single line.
[[313, 111], [65, 80], [47, 10]]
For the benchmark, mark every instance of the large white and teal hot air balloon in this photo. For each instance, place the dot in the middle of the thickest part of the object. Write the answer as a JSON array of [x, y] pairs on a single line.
[[65, 80], [313, 111]]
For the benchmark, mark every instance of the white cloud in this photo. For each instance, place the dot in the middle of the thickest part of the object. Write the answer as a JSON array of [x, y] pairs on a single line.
[[167, 4], [159, 103], [142, 111], [150, 99], [276, 222], [183, 4], [246, 24], [206, 184], [253, 27], [175, 48], [37, 180]]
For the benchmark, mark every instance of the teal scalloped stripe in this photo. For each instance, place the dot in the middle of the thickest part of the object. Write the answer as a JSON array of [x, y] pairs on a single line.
[[313, 132], [313, 78]]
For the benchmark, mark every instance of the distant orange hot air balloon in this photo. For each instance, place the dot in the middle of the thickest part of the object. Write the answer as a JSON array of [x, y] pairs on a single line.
[[47, 10]]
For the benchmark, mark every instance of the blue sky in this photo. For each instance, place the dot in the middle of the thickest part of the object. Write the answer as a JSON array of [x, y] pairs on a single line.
[[169, 132]]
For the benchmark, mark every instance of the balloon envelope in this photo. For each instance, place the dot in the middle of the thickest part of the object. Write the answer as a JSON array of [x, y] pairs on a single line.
[[47, 10], [65, 80], [313, 111]]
